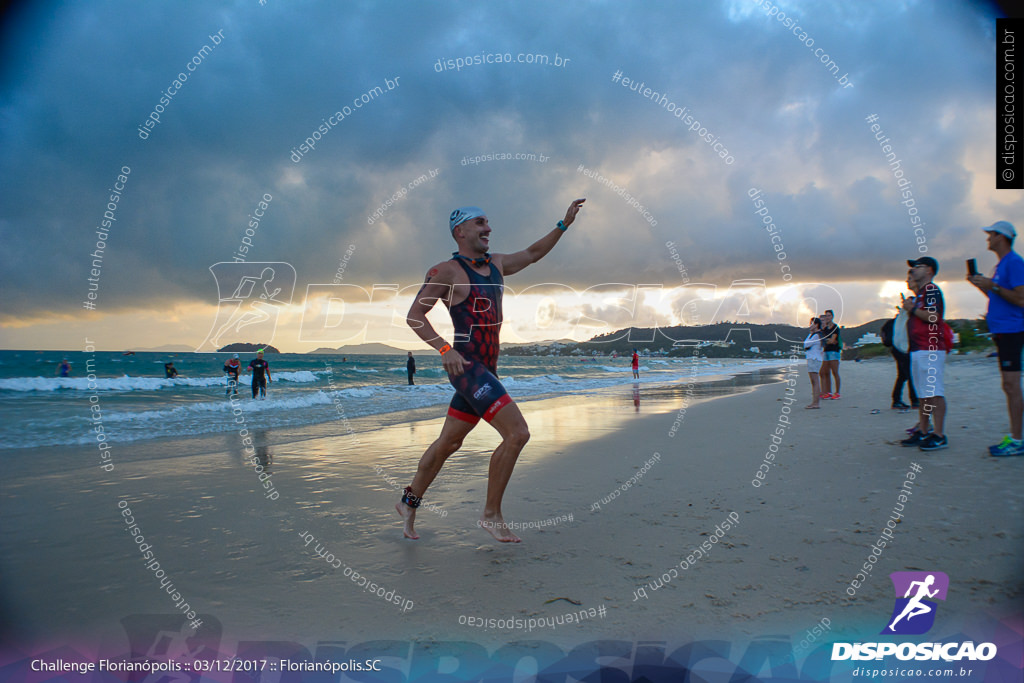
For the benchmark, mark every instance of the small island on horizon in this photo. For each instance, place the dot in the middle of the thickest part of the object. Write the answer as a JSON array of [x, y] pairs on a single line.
[[247, 347]]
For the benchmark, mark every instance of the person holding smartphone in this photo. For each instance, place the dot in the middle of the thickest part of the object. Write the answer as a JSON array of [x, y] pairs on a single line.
[[815, 356], [1005, 318]]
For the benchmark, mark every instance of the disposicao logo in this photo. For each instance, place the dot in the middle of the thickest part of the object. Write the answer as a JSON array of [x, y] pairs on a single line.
[[914, 614]]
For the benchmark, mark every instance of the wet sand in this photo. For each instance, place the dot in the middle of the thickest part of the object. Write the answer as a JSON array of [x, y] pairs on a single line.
[[71, 570]]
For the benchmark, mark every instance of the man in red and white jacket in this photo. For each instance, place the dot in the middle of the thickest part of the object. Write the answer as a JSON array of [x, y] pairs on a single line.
[[926, 333]]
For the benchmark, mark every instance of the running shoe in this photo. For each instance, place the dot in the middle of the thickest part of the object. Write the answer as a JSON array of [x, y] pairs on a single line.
[[825, 396], [834, 397], [933, 443], [1002, 444], [1009, 446], [915, 439], [900, 405]]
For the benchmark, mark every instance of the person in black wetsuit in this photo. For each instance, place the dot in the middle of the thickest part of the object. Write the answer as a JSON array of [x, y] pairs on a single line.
[[470, 286], [410, 367], [259, 367]]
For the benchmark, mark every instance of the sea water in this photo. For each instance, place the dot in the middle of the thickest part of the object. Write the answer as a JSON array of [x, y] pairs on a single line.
[[136, 402]]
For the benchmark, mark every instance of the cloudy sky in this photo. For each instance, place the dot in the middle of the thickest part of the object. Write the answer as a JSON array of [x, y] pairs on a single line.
[[365, 209]]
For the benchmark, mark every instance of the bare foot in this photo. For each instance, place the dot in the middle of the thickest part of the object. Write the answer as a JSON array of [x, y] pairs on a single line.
[[812, 407], [409, 515], [498, 527]]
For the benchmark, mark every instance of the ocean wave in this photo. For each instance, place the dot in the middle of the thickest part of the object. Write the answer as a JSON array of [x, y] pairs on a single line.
[[161, 408], [223, 407], [128, 383]]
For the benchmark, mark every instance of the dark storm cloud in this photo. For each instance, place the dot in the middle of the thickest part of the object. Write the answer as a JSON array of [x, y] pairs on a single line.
[[80, 79]]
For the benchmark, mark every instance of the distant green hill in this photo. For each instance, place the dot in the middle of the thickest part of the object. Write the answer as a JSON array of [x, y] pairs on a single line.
[[721, 340], [246, 347], [734, 339], [371, 349]]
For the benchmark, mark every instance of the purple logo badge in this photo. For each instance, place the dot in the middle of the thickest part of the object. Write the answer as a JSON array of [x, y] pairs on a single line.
[[914, 611]]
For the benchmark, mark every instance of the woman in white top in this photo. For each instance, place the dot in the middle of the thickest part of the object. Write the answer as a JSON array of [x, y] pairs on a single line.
[[815, 356]]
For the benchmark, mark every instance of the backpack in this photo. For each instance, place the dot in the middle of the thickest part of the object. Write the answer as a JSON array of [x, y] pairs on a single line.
[[886, 332]]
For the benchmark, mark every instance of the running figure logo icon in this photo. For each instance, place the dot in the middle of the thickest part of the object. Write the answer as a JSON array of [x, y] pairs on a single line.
[[250, 295], [914, 611]]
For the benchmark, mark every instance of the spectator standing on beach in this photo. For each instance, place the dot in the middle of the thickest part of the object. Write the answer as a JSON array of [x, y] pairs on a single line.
[[832, 343], [902, 370], [636, 365], [815, 356], [1005, 318], [927, 353], [410, 367]]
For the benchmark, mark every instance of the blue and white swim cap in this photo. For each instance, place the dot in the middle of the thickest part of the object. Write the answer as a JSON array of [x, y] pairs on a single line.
[[463, 214]]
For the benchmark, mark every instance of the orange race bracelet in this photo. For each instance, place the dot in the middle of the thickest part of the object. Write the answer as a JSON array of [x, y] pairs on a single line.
[[444, 349]]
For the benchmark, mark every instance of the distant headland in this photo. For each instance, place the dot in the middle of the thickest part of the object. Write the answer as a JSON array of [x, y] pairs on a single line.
[[246, 347]]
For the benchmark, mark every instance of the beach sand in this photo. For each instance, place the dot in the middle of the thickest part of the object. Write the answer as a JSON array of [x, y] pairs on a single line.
[[71, 570]]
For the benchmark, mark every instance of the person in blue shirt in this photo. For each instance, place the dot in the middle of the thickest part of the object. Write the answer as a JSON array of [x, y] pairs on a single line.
[[1005, 318]]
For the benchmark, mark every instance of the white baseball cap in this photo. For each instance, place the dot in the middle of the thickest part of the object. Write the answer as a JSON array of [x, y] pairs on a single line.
[[1003, 228]]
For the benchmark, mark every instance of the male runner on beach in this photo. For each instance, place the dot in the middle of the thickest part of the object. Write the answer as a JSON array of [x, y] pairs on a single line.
[[470, 286]]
